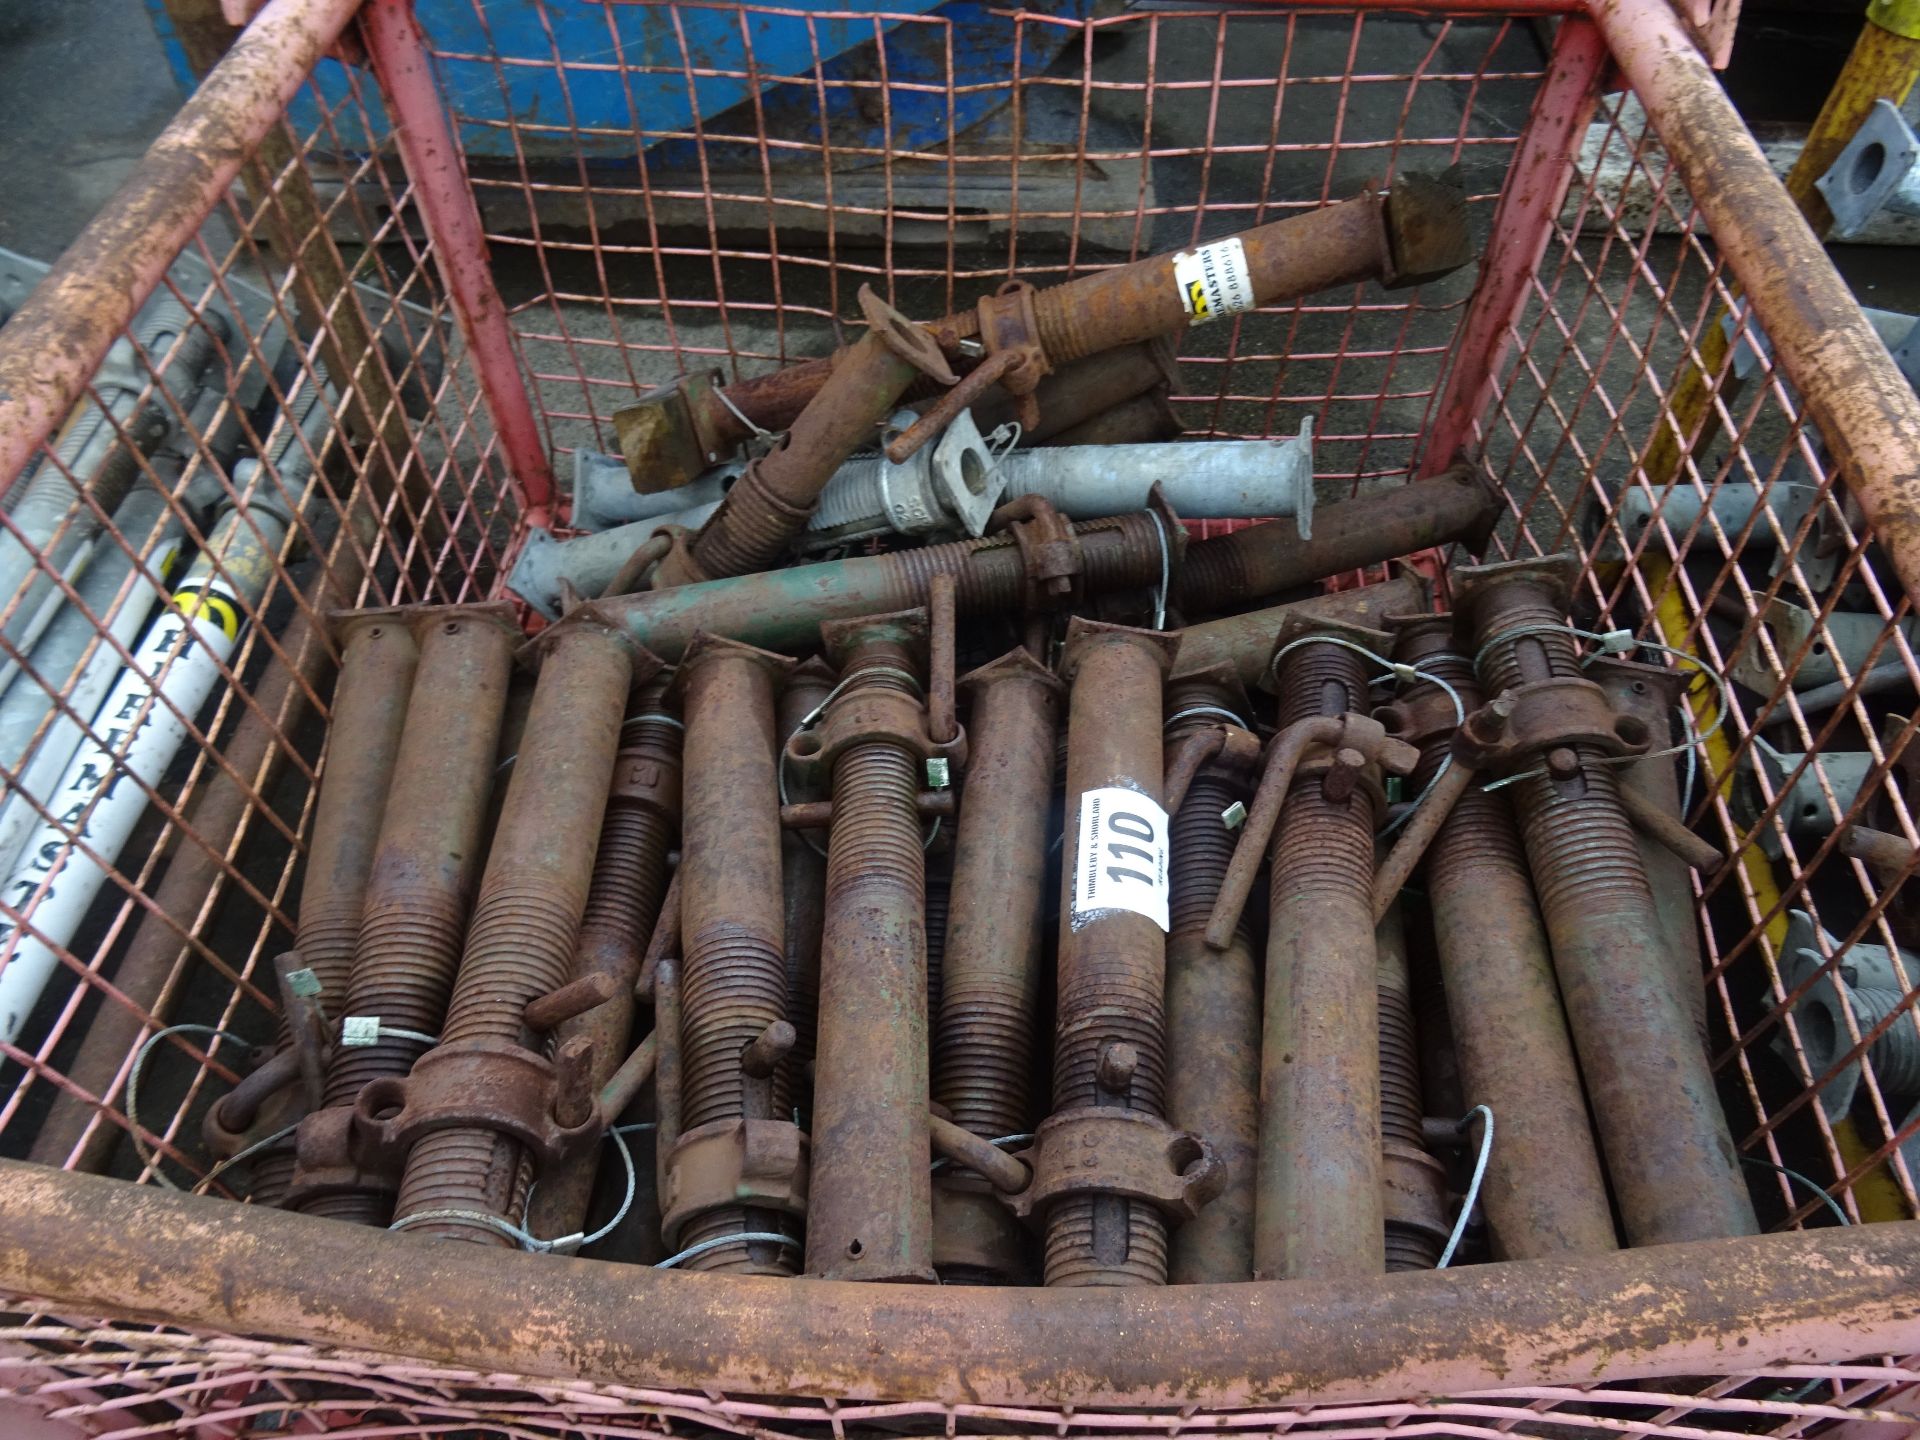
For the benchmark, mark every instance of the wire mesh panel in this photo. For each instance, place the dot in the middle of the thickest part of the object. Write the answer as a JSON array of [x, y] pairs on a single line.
[[270, 442], [110, 1379], [741, 239], [296, 424], [1645, 419]]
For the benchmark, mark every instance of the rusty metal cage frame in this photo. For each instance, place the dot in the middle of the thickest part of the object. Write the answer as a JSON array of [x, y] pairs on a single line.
[[444, 397]]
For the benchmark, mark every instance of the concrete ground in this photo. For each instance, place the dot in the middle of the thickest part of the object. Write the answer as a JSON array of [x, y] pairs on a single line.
[[83, 89]]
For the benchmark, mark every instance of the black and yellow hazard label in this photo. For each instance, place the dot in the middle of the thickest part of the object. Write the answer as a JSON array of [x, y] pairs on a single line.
[[1214, 280], [210, 602]]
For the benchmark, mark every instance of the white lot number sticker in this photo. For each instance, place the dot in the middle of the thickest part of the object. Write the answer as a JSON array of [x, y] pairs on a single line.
[[1122, 856], [1213, 280]]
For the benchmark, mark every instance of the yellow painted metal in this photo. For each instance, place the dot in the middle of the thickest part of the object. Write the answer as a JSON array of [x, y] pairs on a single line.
[[1883, 66]]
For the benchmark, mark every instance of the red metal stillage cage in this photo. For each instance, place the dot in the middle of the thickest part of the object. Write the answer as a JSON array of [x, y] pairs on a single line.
[[384, 338]]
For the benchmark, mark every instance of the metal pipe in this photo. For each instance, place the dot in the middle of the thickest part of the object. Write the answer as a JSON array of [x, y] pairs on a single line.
[[1244, 643], [1459, 506], [623, 905], [1413, 1191], [1401, 238], [1085, 391], [733, 970], [803, 874], [413, 916], [1651, 792], [769, 504], [1110, 1015], [55, 341], [1416, 233], [443, 199], [1201, 479], [1213, 997], [783, 609], [871, 1202], [1143, 420], [1320, 1212], [951, 487], [90, 1246], [983, 1038], [1865, 410], [520, 944], [378, 658], [1674, 1169], [1544, 1192]]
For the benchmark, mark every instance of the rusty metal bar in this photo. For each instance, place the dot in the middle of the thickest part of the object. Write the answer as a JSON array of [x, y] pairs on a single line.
[[733, 970], [871, 1204], [1413, 1184], [1143, 420], [1457, 507], [623, 905], [983, 1037], [1544, 1192], [770, 503], [1415, 233], [1864, 408], [1651, 792], [1110, 1015], [803, 874], [90, 1246], [420, 882], [1084, 391], [1663, 1135], [370, 706], [1213, 997], [1887, 853], [1244, 643], [1436, 803], [1320, 1213], [784, 609], [479, 1101]]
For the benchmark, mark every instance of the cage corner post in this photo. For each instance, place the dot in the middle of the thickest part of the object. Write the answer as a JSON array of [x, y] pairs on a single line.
[[1530, 200], [443, 192]]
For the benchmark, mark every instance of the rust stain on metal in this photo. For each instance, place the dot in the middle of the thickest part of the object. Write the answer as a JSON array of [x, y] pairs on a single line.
[[1662, 1131], [1544, 1192]]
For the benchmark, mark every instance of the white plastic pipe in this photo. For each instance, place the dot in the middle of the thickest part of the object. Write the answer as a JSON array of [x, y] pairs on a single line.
[[134, 737], [26, 702]]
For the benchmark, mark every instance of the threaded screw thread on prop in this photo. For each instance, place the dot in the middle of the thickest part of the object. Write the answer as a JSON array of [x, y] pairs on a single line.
[[734, 983], [870, 1208], [526, 919]]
